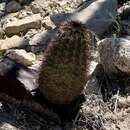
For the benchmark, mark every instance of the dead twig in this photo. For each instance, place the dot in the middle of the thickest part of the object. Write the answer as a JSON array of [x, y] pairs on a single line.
[[116, 102]]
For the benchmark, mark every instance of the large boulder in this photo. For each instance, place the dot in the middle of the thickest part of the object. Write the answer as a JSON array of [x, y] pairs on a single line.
[[97, 15]]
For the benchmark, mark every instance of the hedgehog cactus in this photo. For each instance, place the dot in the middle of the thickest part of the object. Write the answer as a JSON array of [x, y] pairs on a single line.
[[64, 71]]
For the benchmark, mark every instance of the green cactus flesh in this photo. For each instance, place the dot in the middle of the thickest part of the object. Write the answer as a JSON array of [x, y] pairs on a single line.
[[63, 73]]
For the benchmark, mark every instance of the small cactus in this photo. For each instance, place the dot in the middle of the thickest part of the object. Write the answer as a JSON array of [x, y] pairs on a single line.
[[64, 71]]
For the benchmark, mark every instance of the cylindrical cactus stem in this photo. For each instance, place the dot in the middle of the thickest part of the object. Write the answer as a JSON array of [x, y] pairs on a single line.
[[65, 68]]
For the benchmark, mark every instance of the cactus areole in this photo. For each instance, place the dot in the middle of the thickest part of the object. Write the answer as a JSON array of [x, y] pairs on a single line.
[[64, 71]]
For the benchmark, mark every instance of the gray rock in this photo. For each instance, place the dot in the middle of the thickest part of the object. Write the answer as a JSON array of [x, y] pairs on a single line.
[[37, 39], [122, 55], [97, 16], [12, 6], [115, 55], [35, 8], [40, 41], [2, 9]]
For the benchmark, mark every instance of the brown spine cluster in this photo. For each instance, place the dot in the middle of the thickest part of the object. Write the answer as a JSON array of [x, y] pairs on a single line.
[[64, 71]]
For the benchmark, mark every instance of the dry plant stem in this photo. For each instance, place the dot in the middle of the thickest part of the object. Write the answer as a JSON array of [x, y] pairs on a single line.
[[116, 102], [76, 118]]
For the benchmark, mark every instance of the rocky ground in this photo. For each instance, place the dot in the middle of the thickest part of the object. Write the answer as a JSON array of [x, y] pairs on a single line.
[[26, 27]]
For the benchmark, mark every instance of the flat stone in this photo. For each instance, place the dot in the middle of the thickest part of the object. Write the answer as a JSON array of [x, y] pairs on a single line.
[[22, 25], [21, 56], [12, 42]]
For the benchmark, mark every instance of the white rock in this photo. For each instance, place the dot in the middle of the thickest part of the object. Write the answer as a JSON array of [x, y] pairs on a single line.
[[22, 25], [92, 67], [21, 56], [13, 6], [12, 42]]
